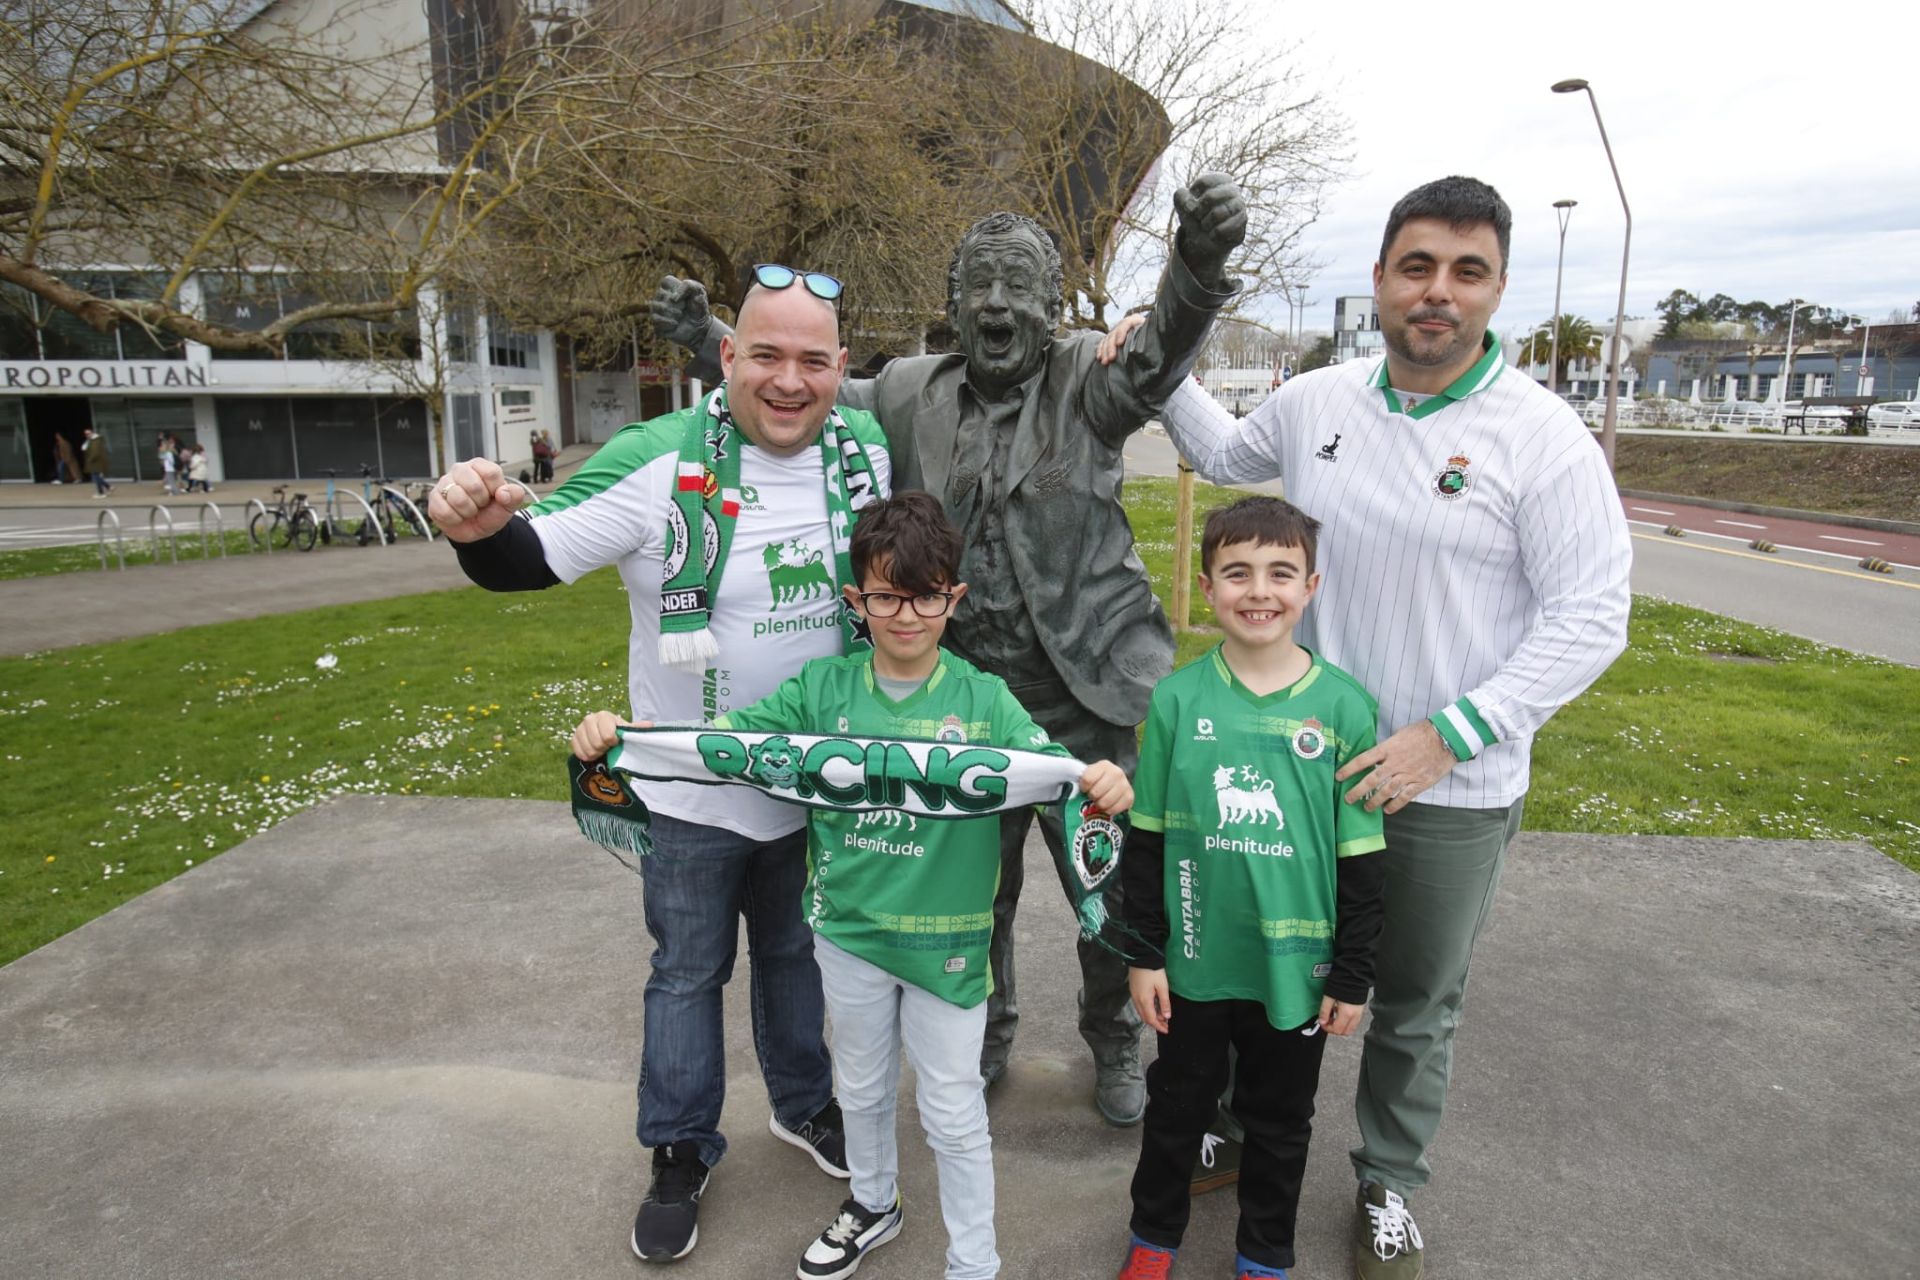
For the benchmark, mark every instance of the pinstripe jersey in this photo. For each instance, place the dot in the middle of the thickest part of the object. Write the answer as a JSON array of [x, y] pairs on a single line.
[[1473, 552]]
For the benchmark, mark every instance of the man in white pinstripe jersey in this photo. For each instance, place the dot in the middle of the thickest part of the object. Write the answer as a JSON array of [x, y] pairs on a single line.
[[1475, 565]]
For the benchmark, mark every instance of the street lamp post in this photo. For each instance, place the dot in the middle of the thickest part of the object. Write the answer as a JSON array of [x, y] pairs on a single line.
[[1786, 363], [1564, 212], [1626, 244]]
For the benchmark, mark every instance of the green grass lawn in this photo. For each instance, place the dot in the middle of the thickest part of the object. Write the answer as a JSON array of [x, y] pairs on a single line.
[[125, 763]]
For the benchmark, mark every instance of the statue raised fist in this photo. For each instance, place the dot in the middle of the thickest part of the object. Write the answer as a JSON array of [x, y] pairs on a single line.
[[1213, 222], [679, 312]]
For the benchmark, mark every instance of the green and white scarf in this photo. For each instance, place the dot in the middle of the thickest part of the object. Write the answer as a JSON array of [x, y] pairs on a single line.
[[858, 775], [705, 506]]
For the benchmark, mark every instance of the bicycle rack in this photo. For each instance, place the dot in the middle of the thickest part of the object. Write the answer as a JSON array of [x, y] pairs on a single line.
[[153, 513], [219, 530], [372, 522], [119, 538], [266, 522]]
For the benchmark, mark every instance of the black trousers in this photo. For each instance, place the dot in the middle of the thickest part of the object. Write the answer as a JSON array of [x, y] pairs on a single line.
[[1273, 1097]]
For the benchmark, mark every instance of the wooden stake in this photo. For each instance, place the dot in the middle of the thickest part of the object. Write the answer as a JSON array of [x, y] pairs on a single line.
[[1183, 551]]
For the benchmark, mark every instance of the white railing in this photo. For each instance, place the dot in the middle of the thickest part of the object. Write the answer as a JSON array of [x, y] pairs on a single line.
[[266, 525], [1679, 415], [158, 512], [119, 538], [219, 530]]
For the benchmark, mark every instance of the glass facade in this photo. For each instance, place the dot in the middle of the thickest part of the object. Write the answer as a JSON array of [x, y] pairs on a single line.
[[508, 348], [255, 300], [32, 330], [468, 439], [133, 427], [16, 456], [303, 437]]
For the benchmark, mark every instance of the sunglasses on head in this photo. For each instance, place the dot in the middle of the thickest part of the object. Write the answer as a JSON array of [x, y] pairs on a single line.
[[771, 275]]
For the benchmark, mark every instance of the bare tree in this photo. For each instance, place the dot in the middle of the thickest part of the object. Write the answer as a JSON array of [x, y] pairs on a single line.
[[805, 145], [1169, 89], [212, 136]]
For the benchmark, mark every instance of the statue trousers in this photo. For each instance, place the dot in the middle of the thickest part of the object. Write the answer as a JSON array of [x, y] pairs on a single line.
[[1108, 1022]]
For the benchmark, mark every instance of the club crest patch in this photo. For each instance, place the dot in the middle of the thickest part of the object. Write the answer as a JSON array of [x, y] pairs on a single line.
[[951, 730], [1453, 479], [1095, 848], [1309, 740]]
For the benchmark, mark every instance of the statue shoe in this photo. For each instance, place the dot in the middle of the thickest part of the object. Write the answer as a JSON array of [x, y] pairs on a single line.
[[1120, 1086]]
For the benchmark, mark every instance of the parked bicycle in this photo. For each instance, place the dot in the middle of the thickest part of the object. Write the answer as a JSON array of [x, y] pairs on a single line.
[[393, 512], [290, 520]]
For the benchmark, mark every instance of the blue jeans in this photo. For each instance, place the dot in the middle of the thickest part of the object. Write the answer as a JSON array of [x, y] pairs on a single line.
[[698, 882]]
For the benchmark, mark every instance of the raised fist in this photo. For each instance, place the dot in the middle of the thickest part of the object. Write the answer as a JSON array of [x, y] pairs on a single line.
[[1213, 222], [474, 500], [679, 312]]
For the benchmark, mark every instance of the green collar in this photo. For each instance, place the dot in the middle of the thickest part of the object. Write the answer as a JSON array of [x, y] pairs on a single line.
[[1473, 381], [1232, 681]]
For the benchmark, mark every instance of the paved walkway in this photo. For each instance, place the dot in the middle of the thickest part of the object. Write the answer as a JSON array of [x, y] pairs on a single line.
[[397, 1037], [92, 608]]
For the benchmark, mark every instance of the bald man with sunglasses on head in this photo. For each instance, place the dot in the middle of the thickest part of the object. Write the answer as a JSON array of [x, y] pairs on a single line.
[[717, 516]]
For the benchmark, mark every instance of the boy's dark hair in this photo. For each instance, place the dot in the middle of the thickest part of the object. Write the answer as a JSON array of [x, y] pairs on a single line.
[[910, 534], [1461, 203], [1266, 522]]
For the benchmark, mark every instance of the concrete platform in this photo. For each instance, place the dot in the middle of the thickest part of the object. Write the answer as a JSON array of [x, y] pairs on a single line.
[[397, 1037]]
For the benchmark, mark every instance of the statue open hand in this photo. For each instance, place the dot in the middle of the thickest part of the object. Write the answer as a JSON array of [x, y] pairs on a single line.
[[679, 312], [1213, 222]]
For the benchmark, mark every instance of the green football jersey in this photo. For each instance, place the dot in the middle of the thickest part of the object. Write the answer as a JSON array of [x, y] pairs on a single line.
[[1242, 787], [913, 896]]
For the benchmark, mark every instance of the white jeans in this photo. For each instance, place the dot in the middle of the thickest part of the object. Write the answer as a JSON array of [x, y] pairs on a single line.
[[874, 1015]]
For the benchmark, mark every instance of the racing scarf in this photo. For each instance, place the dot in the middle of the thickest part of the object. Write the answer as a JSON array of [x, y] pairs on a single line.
[[705, 506], [941, 780]]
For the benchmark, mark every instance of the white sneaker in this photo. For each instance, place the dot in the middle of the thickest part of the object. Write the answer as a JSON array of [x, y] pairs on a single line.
[[853, 1231]]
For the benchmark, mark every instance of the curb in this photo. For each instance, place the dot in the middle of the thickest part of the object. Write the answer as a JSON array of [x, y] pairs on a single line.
[[1782, 513]]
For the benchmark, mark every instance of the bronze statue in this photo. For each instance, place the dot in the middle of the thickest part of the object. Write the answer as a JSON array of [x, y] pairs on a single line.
[[1020, 435]]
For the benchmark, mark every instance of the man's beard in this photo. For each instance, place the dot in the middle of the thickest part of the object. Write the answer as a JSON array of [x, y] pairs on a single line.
[[1400, 340]]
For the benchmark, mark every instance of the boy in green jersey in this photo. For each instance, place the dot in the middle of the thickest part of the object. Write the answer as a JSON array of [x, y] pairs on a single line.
[[1258, 882], [902, 907]]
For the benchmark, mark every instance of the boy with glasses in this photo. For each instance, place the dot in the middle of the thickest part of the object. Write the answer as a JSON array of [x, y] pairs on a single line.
[[902, 909]]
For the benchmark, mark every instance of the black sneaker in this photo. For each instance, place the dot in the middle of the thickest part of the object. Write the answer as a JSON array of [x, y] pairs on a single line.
[[824, 1138], [853, 1231], [667, 1226]]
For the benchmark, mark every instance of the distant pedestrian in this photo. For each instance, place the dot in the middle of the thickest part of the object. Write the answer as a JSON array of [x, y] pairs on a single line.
[[197, 469], [93, 449], [542, 446], [66, 467], [168, 463]]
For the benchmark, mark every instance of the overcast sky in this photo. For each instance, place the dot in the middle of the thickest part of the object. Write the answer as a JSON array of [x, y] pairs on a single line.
[[1767, 153]]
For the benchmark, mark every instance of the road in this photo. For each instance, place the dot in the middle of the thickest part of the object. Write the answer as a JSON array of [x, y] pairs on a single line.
[[1812, 586]]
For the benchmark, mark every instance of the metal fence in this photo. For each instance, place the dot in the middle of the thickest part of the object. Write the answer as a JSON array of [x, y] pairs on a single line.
[[1680, 415]]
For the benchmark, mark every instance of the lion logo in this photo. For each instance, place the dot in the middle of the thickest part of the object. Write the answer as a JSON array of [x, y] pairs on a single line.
[[774, 763]]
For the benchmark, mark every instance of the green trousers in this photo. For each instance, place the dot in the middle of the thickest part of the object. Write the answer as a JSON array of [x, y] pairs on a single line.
[[1443, 866]]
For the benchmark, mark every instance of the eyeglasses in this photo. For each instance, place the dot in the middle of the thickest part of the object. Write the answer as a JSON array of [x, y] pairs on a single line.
[[771, 275], [885, 604]]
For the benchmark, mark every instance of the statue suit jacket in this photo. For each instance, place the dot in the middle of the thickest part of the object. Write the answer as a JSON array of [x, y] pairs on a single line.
[[1067, 534]]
